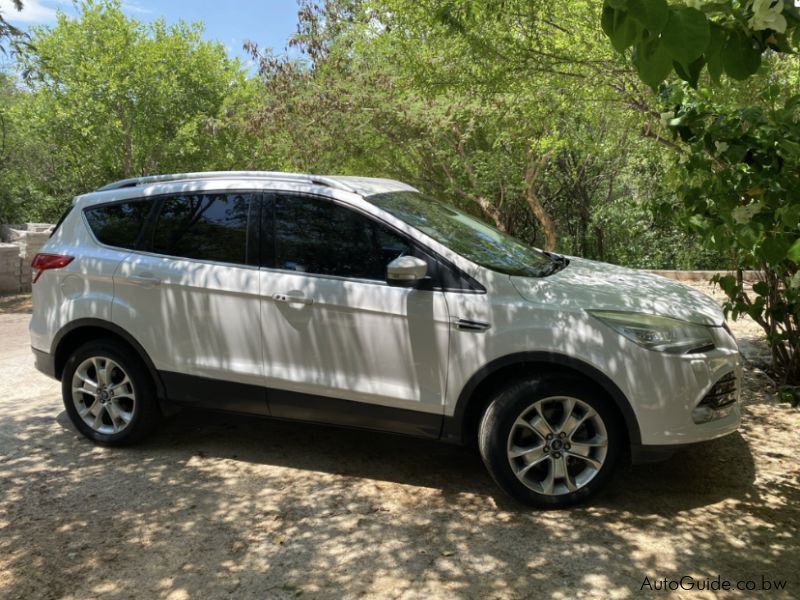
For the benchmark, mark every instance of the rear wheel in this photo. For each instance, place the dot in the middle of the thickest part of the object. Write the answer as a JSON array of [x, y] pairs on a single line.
[[108, 393], [550, 442]]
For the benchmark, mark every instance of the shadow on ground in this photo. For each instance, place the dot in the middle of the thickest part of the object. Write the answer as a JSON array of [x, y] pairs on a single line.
[[219, 504]]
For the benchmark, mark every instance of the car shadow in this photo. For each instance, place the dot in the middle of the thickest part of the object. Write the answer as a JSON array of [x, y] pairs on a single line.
[[706, 474]]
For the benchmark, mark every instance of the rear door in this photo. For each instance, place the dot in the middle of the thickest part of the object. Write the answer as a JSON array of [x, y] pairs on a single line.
[[334, 331], [190, 294]]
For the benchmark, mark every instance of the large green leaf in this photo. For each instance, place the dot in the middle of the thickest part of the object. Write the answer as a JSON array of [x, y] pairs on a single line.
[[794, 252], [741, 56], [686, 34], [651, 14], [620, 27], [652, 61], [774, 249], [714, 52], [761, 288], [728, 284], [692, 73]]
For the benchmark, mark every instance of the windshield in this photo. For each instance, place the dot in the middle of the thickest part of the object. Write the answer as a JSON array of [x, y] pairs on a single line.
[[465, 235]]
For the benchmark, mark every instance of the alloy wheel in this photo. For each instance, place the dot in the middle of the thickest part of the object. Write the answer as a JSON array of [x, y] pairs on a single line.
[[103, 395], [557, 445]]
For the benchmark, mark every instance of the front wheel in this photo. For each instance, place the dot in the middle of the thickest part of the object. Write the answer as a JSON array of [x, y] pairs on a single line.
[[550, 442], [108, 393]]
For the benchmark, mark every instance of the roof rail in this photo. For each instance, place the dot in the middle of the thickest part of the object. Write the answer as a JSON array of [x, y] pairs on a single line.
[[275, 175]]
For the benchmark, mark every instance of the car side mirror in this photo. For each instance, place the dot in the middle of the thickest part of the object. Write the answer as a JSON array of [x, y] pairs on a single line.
[[406, 271]]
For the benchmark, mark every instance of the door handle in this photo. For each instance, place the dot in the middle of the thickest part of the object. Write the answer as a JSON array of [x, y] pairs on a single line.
[[144, 280], [292, 299]]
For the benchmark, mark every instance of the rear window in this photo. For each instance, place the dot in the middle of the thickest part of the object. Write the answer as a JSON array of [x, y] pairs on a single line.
[[206, 227], [119, 224]]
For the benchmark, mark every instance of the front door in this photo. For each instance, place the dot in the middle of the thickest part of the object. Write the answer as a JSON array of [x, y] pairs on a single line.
[[340, 345]]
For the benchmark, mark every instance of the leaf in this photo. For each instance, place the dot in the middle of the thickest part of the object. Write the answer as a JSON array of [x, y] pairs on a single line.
[[793, 253], [652, 62], [728, 285], [740, 55], [620, 28], [714, 52], [774, 249], [686, 34], [699, 222], [790, 216], [651, 14], [761, 288], [745, 214], [757, 308], [692, 74]]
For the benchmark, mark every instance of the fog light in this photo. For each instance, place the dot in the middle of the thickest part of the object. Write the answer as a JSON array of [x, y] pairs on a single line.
[[703, 414]]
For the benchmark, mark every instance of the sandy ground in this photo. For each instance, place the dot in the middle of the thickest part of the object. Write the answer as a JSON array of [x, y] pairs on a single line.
[[224, 506]]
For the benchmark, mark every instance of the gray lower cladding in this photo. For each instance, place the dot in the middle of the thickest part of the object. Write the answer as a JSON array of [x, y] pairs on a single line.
[[44, 362], [203, 392], [215, 394]]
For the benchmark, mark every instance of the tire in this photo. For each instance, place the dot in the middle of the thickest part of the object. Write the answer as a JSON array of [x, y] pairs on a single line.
[[555, 471], [110, 372]]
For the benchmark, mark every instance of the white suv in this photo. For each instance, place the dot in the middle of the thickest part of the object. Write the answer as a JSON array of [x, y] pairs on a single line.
[[361, 302]]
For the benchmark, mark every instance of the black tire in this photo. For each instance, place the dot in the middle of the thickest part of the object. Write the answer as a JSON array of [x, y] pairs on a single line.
[[145, 412], [518, 400]]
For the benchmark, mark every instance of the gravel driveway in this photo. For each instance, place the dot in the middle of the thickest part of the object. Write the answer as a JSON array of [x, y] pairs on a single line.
[[225, 506]]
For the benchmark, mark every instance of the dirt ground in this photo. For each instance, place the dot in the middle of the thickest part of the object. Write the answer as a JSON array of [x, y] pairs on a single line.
[[224, 506]]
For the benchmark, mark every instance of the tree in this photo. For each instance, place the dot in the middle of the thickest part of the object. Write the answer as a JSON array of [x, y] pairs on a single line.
[[7, 30], [108, 97], [455, 99], [740, 144]]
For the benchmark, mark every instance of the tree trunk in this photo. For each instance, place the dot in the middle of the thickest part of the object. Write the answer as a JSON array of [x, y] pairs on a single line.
[[531, 176]]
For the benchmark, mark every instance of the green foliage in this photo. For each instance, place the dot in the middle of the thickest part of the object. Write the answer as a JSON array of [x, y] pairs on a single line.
[[7, 30], [514, 110], [493, 106], [739, 182], [107, 97], [727, 37]]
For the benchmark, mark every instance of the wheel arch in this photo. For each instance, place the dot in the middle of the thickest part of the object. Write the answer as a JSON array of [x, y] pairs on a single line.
[[474, 398], [81, 331]]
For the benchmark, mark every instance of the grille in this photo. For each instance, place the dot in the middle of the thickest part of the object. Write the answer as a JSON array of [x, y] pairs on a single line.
[[723, 393]]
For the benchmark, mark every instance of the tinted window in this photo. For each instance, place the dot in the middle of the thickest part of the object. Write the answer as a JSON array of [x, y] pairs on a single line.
[[207, 227], [465, 234], [119, 224], [318, 236]]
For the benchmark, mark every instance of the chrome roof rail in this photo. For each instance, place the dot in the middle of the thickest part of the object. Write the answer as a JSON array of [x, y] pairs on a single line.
[[273, 175]]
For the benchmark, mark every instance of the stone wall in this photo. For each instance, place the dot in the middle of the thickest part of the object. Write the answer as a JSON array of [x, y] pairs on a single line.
[[747, 276], [18, 245]]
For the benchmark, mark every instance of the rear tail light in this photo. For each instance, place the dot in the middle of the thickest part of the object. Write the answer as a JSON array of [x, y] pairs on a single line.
[[45, 262]]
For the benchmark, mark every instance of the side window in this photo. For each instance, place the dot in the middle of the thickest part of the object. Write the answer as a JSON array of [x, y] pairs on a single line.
[[320, 237], [119, 224], [204, 226]]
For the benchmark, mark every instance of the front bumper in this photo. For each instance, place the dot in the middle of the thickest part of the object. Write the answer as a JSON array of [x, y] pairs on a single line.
[[666, 390], [641, 455], [45, 362]]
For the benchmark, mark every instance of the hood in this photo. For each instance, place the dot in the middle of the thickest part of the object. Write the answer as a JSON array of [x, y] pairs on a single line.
[[587, 284]]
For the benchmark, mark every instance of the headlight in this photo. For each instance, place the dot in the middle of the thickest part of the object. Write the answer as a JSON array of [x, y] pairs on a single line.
[[661, 334]]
